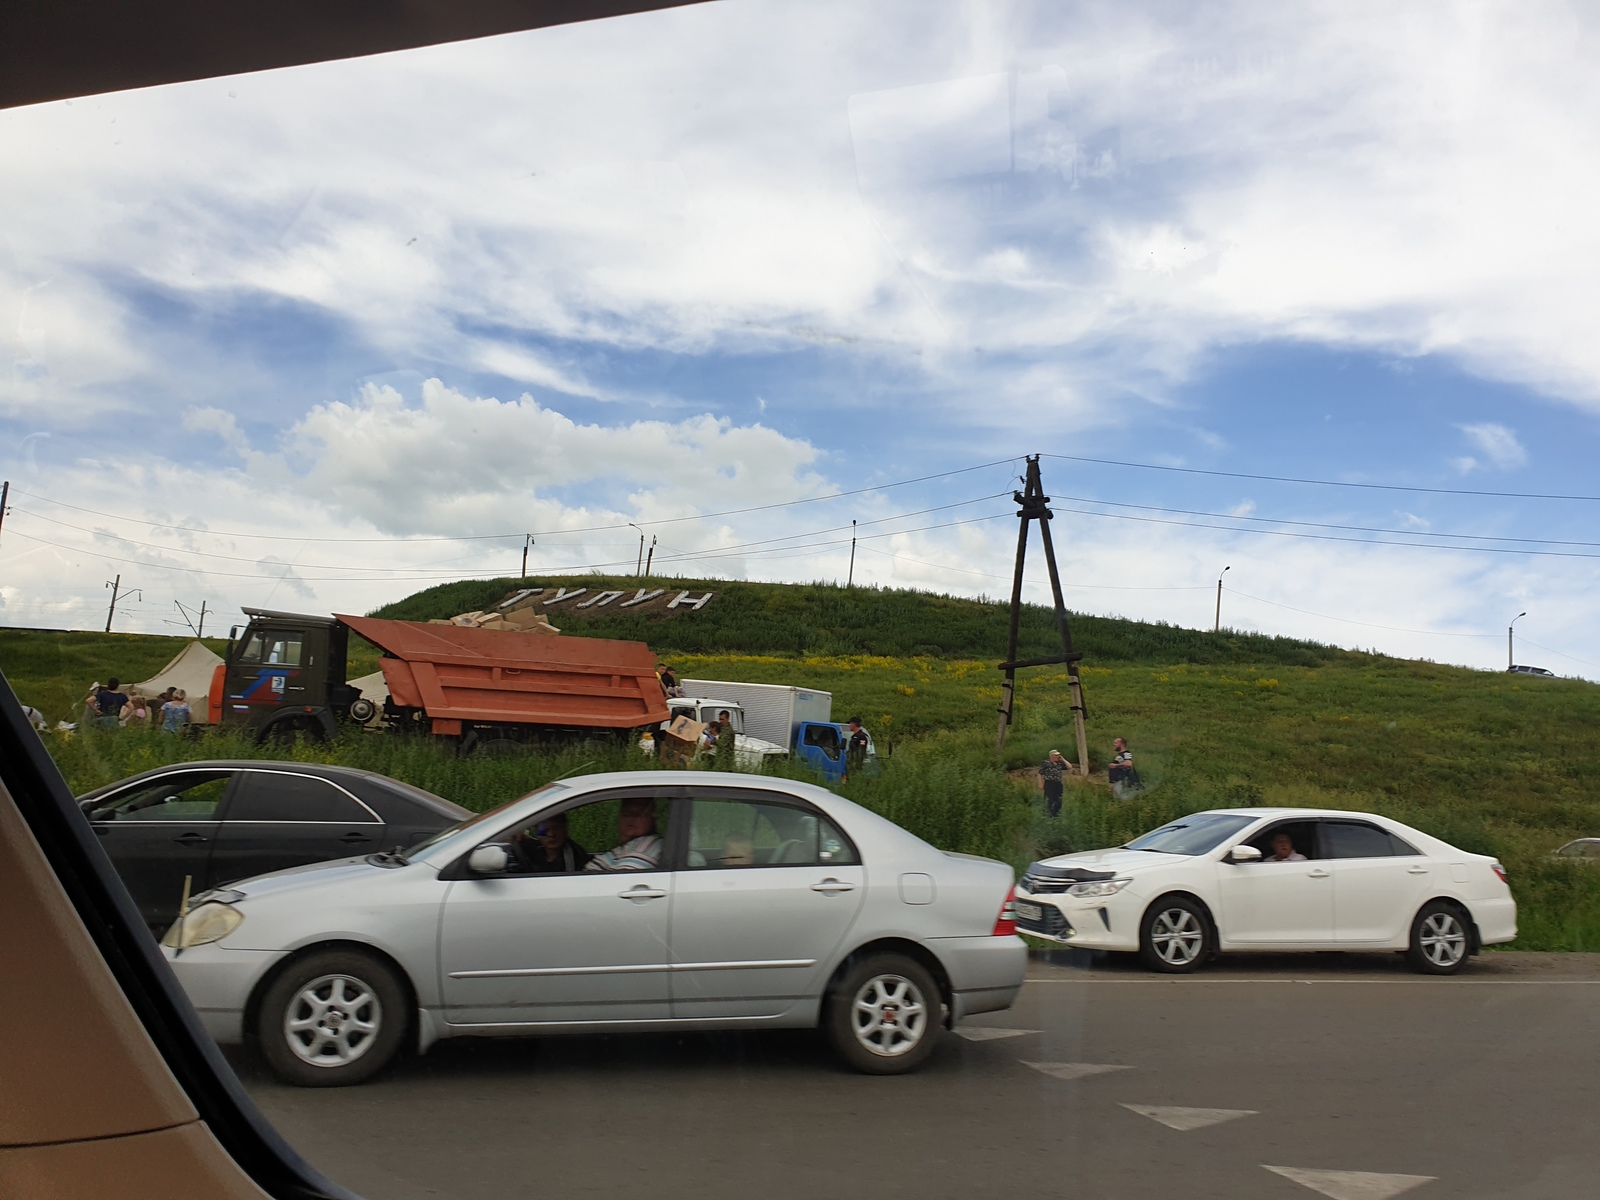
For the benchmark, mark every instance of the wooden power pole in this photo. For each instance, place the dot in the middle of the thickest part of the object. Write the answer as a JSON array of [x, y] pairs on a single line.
[[1033, 505]]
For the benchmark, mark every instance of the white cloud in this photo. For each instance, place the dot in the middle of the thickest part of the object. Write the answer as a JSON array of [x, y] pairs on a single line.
[[1497, 444]]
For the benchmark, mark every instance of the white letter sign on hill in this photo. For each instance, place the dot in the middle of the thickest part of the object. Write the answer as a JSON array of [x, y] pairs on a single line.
[[642, 598], [683, 598], [600, 601], [563, 594]]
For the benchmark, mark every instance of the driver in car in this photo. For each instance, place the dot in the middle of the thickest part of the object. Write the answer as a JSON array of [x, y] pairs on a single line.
[[638, 846], [546, 847], [1283, 849]]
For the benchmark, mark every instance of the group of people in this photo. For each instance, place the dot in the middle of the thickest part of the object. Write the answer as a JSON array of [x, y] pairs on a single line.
[[670, 686], [718, 740], [107, 706], [1121, 773]]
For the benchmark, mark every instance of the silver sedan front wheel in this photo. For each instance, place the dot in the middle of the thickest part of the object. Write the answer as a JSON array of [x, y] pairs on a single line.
[[332, 1018], [1176, 936], [332, 1021]]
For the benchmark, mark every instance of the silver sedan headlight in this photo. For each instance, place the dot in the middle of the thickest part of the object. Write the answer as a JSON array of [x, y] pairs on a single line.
[[208, 922], [1103, 887]]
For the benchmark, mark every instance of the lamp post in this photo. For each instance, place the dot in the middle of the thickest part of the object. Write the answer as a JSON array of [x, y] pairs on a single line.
[[1511, 645], [1217, 628], [638, 566]]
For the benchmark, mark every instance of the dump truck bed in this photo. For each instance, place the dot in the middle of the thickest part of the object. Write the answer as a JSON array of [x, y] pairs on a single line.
[[458, 674]]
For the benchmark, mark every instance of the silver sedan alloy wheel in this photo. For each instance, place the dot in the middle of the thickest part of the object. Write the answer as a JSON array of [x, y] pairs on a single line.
[[1176, 937], [1442, 938], [889, 1015], [332, 1020]]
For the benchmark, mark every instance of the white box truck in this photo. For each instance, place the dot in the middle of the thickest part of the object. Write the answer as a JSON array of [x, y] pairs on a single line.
[[773, 712]]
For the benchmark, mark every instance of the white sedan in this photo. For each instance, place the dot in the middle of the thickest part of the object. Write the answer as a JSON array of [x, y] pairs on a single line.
[[1273, 879], [640, 900]]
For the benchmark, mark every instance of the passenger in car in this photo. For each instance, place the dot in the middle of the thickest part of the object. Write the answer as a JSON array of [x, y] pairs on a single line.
[[1283, 849], [546, 847], [638, 844]]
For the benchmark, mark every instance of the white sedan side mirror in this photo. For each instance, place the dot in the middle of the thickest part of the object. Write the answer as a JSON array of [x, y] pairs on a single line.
[[1244, 854], [491, 860]]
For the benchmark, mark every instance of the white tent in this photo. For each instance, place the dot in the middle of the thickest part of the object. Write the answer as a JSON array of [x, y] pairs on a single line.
[[191, 671]]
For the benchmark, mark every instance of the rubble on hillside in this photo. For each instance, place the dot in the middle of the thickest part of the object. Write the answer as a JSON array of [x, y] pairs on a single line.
[[515, 614]]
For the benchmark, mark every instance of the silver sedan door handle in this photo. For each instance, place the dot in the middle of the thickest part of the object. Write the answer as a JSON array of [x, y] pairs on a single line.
[[1319, 873], [832, 885], [642, 893]]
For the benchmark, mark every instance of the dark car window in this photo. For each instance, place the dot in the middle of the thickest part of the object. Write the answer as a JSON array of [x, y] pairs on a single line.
[[1356, 839], [1302, 836], [280, 796], [190, 796], [275, 649], [727, 832], [824, 738]]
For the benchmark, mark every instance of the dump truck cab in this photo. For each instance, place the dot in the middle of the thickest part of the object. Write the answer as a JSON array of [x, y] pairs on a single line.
[[285, 674]]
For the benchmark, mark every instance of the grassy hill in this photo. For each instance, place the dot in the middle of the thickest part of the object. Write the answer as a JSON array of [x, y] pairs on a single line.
[[1498, 764]]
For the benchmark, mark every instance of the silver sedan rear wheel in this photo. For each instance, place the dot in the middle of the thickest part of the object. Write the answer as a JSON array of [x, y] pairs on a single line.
[[1176, 936], [884, 1014]]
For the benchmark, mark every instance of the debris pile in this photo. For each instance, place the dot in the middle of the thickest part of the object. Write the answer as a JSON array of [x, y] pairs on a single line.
[[514, 615]]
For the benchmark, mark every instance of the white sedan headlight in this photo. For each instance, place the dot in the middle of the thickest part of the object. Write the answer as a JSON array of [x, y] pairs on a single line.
[[208, 922], [1102, 887]]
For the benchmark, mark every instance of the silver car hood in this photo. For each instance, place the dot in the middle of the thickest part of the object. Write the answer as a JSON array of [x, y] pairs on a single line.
[[292, 879], [1123, 862]]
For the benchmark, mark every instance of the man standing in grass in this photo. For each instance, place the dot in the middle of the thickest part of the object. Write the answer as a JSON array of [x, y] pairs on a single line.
[[1124, 779], [109, 702], [855, 749], [1050, 772]]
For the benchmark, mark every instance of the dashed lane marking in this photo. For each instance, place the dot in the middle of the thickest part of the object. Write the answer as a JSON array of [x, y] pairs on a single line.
[[1185, 1119], [1071, 1071], [988, 1033], [1352, 1185]]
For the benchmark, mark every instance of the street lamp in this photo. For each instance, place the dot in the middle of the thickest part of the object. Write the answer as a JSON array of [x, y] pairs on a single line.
[[1217, 628], [1511, 649], [638, 566]]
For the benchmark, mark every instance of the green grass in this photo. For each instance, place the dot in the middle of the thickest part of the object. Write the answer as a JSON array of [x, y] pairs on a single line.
[[1492, 763]]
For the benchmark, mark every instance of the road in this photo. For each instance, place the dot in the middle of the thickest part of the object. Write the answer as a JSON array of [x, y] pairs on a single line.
[[1352, 1077]]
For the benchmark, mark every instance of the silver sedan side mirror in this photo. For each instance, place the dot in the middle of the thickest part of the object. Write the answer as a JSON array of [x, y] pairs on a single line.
[[490, 860], [1244, 854]]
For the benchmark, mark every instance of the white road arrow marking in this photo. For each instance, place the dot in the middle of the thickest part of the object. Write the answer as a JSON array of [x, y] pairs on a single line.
[[1185, 1119], [1352, 1185], [982, 1033], [1070, 1071]]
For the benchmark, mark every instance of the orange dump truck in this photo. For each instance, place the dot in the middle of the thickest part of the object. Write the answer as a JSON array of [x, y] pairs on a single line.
[[286, 674]]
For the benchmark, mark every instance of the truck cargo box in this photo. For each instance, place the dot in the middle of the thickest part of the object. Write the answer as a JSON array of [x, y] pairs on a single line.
[[458, 674]]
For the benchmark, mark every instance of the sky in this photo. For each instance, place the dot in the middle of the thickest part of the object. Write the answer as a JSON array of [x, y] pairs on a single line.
[[742, 273]]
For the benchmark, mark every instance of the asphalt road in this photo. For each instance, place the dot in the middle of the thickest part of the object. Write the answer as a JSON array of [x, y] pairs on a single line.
[[1355, 1078]]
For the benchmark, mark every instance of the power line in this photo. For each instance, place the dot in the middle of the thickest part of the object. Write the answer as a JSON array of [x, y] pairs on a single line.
[[1383, 487], [481, 537]]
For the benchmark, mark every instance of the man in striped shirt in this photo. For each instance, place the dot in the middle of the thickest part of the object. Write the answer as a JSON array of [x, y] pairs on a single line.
[[638, 844]]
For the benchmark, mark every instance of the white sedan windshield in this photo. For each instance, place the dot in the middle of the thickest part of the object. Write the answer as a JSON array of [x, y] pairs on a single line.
[[1191, 835]]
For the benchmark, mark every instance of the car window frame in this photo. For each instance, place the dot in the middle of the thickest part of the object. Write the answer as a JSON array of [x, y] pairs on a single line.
[[1319, 842], [97, 802], [1390, 837], [226, 808], [775, 799]]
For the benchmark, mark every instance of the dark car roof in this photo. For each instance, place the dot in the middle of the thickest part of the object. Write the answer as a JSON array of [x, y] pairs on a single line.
[[363, 783]]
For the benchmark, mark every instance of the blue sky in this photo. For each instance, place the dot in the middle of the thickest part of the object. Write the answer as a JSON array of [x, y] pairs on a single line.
[[311, 337]]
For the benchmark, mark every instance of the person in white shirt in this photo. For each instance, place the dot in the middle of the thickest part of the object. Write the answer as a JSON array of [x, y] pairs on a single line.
[[1283, 849]]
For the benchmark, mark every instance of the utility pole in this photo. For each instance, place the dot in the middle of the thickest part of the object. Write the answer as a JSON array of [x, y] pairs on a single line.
[[1511, 645], [850, 581], [651, 557], [527, 541], [200, 629], [638, 566], [1217, 628], [5, 494], [117, 594], [1033, 505]]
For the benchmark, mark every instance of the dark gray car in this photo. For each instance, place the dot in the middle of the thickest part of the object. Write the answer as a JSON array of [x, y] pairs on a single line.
[[216, 821]]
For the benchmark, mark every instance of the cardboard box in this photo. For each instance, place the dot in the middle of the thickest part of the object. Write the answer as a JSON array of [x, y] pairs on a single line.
[[529, 621], [686, 729]]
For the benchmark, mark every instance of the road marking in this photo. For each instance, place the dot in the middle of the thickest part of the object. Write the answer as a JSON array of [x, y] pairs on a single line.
[[1185, 1119], [988, 1033], [1071, 1071], [1454, 981], [1352, 1185]]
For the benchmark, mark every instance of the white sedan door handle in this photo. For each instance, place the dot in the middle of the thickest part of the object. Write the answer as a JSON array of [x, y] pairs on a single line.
[[832, 885], [642, 893], [1416, 870], [1319, 873]]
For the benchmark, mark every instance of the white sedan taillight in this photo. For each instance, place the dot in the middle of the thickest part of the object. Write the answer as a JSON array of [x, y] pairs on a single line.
[[1501, 872]]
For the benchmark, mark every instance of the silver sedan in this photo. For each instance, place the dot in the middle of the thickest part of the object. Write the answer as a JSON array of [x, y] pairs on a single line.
[[629, 901]]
